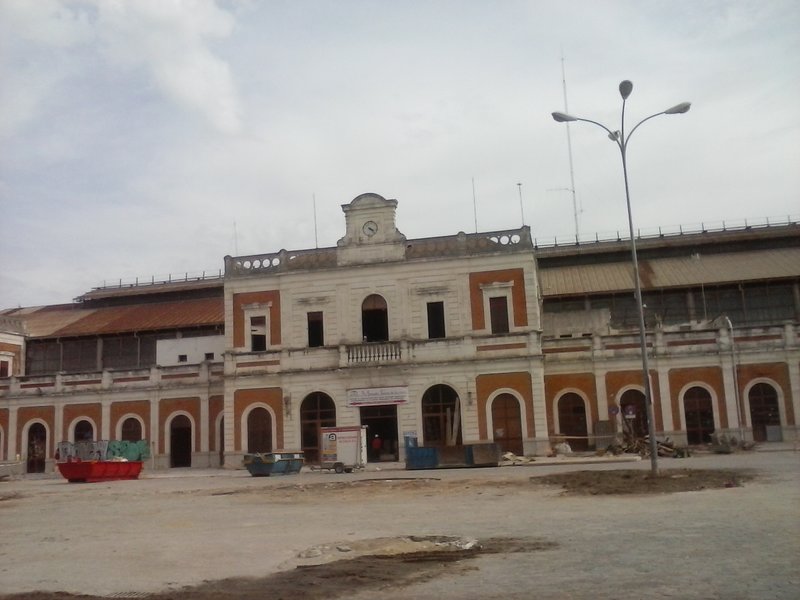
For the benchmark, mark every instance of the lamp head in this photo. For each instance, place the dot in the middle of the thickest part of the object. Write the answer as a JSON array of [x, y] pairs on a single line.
[[563, 117], [625, 89], [678, 109]]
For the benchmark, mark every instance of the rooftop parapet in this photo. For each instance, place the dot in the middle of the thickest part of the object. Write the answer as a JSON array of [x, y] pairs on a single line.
[[461, 244]]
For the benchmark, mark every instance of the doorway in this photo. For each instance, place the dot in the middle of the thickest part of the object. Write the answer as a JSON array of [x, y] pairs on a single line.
[[37, 448], [382, 438], [572, 421], [507, 424], [699, 415], [441, 416], [259, 431], [180, 442], [634, 413], [317, 410], [764, 411], [374, 319]]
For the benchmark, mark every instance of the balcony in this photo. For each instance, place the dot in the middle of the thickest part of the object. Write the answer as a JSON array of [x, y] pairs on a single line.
[[373, 353]]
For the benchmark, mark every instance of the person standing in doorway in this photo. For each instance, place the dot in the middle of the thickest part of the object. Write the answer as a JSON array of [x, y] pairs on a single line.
[[377, 445]]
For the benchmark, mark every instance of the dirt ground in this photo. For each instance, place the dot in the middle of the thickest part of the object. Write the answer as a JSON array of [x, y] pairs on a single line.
[[633, 482], [336, 570]]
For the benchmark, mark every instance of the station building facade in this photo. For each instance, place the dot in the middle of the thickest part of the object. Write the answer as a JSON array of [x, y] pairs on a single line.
[[466, 338]]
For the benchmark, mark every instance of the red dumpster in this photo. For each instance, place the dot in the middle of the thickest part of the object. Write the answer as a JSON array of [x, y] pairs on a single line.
[[91, 471]]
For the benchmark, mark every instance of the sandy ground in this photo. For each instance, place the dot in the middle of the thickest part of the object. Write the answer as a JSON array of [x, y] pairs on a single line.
[[479, 533]]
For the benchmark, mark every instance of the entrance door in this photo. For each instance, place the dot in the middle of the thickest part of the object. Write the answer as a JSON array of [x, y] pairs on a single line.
[[699, 415], [381, 422], [37, 448], [763, 410], [180, 442], [572, 421], [507, 424], [259, 431]]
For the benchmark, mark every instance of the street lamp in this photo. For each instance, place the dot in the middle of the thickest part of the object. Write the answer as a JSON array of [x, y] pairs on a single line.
[[619, 137], [735, 378]]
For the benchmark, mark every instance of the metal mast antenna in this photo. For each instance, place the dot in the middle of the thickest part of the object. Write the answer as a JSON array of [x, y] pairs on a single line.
[[521, 209], [314, 201], [569, 150], [475, 205]]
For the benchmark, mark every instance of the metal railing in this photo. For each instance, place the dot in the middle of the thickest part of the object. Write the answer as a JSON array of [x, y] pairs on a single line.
[[668, 231]]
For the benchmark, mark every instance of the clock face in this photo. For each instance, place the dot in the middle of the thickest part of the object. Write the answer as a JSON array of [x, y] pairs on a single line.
[[370, 228]]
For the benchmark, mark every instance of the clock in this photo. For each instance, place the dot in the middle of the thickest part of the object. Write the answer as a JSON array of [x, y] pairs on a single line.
[[370, 228]]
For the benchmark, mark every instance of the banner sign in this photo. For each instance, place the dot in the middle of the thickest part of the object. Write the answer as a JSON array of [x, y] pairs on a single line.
[[377, 396]]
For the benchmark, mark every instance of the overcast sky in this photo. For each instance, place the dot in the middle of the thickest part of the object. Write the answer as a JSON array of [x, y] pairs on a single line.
[[149, 137]]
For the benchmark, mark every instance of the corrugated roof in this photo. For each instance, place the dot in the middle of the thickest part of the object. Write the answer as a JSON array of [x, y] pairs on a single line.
[[157, 287], [706, 269], [76, 320]]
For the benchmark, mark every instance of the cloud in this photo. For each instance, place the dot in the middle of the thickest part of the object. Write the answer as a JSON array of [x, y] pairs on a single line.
[[50, 43], [168, 38]]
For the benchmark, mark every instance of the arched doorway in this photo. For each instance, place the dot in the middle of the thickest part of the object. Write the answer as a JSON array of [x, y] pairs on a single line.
[[764, 411], [317, 410], [259, 431], [374, 319], [572, 421], [441, 416], [84, 431], [507, 424], [634, 413], [131, 430], [180, 442], [37, 448], [699, 415]]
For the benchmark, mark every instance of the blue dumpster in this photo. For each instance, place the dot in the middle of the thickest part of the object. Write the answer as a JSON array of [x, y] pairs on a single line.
[[274, 463]]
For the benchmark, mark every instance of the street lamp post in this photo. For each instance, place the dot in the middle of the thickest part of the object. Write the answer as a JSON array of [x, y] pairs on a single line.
[[619, 137], [735, 378]]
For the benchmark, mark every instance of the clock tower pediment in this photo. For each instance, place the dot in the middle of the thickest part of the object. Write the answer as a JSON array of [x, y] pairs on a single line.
[[370, 231]]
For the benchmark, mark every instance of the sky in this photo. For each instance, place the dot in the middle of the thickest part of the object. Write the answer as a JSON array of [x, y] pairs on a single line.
[[149, 138]]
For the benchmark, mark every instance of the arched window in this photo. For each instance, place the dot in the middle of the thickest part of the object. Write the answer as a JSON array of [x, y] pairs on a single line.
[[317, 410], [699, 413], [131, 430], [374, 319], [441, 416], [84, 431]]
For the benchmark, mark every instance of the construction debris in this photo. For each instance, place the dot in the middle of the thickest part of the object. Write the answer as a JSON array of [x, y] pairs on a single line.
[[509, 458], [631, 443], [725, 444]]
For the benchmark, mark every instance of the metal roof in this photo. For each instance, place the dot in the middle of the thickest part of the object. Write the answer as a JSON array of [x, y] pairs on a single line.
[[76, 320], [695, 270]]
